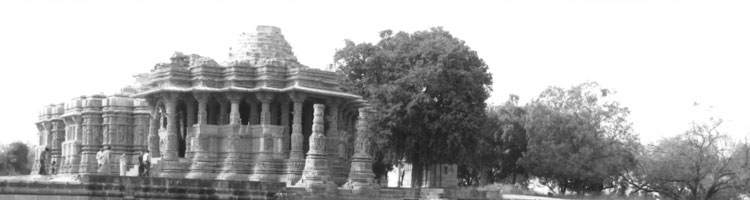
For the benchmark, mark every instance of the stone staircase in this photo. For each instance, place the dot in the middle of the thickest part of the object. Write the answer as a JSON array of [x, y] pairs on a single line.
[[155, 167]]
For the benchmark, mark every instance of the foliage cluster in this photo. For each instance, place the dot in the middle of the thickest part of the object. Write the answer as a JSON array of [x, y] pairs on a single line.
[[15, 159]]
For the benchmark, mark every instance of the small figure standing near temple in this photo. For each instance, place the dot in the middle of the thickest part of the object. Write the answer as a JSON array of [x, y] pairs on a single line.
[[99, 158], [43, 161], [123, 164], [103, 160], [53, 168], [145, 163], [140, 163]]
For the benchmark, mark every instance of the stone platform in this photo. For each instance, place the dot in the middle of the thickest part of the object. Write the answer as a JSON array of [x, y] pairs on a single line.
[[123, 187]]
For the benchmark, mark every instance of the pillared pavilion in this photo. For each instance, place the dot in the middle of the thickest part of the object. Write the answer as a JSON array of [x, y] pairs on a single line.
[[261, 116]]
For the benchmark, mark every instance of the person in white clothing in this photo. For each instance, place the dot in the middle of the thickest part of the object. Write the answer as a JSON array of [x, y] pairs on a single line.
[[146, 163], [123, 164], [103, 160]]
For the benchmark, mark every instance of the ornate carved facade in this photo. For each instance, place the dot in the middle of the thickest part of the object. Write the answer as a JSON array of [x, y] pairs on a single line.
[[261, 116]]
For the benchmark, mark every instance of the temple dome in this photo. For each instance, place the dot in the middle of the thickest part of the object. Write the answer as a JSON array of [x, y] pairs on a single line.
[[266, 45]]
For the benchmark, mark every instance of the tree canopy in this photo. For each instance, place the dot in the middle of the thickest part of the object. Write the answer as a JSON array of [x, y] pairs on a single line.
[[427, 90], [577, 139]]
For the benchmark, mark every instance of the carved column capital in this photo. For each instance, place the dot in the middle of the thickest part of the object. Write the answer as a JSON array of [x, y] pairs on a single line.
[[201, 96], [233, 97], [170, 97], [297, 97], [77, 119], [264, 97], [265, 112], [152, 100], [40, 126]]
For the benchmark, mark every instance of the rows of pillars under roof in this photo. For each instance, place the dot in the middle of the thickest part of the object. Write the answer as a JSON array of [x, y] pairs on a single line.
[[247, 109]]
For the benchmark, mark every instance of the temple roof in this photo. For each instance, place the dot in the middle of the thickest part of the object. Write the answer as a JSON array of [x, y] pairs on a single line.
[[266, 44], [261, 61]]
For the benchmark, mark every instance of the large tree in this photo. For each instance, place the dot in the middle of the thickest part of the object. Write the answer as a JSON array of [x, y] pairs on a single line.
[[578, 139], [701, 163], [427, 90]]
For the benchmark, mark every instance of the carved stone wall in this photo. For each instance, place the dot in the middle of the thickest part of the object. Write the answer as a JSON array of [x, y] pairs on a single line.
[[73, 136], [92, 133], [117, 130]]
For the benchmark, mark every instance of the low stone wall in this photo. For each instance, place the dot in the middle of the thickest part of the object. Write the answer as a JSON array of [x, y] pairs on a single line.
[[121, 187]]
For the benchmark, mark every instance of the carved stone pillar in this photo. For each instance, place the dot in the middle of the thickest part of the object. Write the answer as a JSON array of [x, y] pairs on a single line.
[[58, 136], [92, 134], [48, 134], [153, 133], [265, 111], [42, 132], [190, 107], [72, 145], [361, 177], [264, 169], [170, 101], [110, 125], [140, 130], [285, 123], [171, 167], [316, 174], [297, 138], [234, 114], [202, 99], [205, 151], [296, 162]]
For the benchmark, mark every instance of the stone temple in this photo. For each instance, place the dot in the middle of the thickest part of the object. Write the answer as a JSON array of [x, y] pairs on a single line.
[[252, 118], [258, 126]]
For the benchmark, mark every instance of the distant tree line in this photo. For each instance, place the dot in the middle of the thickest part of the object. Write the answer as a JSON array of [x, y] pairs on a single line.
[[577, 140]]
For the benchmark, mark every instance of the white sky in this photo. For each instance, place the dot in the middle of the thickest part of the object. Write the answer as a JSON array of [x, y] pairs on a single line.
[[660, 55]]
